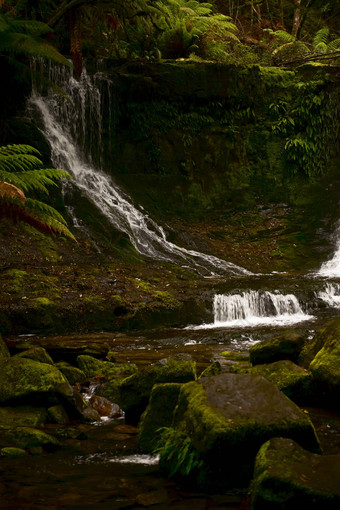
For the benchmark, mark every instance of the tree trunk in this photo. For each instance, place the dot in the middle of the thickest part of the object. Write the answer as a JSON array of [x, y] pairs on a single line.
[[297, 17]]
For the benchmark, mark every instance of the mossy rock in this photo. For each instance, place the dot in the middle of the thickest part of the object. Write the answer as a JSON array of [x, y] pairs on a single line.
[[235, 356], [325, 369], [158, 414], [286, 477], [11, 451], [93, 367], [110, 390], [327, 334], [286, 346], [37, 354], [4, 352], [72, 374], [25, 416], [28, 437], [25, 379], [292, 380], [135, 390], [228, 418], [57, 414], [213, 369]]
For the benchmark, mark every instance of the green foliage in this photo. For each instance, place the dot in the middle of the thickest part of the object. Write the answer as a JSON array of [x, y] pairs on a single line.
[[21, 171], [25, 38], [178, 452], [307, 123]]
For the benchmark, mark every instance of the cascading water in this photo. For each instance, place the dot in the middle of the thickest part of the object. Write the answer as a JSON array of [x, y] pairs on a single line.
[[255, 308], [73, 129], [331, 294], [331, 268]]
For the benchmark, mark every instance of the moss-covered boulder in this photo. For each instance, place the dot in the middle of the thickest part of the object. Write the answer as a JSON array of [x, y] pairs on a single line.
[[224, 420], [22, 416], [328, 333], [292, 380], [287, 477], [22, 378], [135, 390], [37, 354], [325, 369], [72, 374], [57, 414], [11, 451], [4, 352], [286, 346], [93, 367], [158, 414], [28, 437]]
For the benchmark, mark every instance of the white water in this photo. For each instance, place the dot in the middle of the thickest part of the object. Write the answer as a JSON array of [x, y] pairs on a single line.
[[331, 294], [62, 123], [331, 268], [255, 308]]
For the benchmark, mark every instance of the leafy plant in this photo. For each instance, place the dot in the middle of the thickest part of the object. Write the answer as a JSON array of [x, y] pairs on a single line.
[[21, 172], [20, 38], [177, 450]]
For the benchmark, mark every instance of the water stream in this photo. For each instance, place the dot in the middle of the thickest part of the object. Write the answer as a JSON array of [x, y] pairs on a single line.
[[331, 268], [73, 129]]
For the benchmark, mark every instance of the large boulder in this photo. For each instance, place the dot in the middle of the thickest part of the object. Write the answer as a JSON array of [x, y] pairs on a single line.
[[287, 477], [292, 380], [72, 374], [325, 369], [286, 346], [330, 333], [223, 421], [135, 390], [28, 437], [158, 414], [22, 378], [36, 353]]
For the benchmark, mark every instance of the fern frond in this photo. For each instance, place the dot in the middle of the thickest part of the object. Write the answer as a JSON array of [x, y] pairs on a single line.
[[321, 47], [7, 150], [12, 193], [43, 210], [19, 162], [334, 45], [321, 36]]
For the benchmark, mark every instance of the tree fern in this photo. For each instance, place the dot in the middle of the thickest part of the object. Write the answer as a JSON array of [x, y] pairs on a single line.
[[321, 37], [21, 171]]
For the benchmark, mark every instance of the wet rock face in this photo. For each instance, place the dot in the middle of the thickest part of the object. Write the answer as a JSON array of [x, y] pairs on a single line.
[[228, 418], [286, 476]]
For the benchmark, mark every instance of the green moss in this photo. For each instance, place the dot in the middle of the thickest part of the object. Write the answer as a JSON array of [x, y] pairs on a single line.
[[37, 354], [158, 414], [22, 416], [235, 356], [11, 451], [27, 437], [92, 367]]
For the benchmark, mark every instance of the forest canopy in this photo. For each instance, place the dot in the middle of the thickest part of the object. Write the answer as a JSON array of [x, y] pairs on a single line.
[[241, 31]]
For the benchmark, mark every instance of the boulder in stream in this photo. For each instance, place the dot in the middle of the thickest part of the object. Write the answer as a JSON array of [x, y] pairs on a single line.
[[93, 367], [158, 414], [287, 477], [135, 390], [28, 437], [292, 380], [24, 416], [36, 353], [221, 422], [286, 346]]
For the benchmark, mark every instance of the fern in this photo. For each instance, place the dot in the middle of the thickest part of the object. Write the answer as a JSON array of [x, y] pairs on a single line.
[[21, 172], [321, 37]]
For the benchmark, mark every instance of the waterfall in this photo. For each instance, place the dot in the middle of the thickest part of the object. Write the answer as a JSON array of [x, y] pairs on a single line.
[[331, 268], [73, 127], [256, 308], [331, 294]]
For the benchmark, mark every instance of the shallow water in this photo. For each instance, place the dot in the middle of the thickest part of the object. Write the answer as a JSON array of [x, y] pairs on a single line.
[[105, 471]]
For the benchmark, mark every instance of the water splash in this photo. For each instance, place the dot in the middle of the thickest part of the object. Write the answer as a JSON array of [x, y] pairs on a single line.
[[255, 308], [331, 268], [331, 294], [73, 129]]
